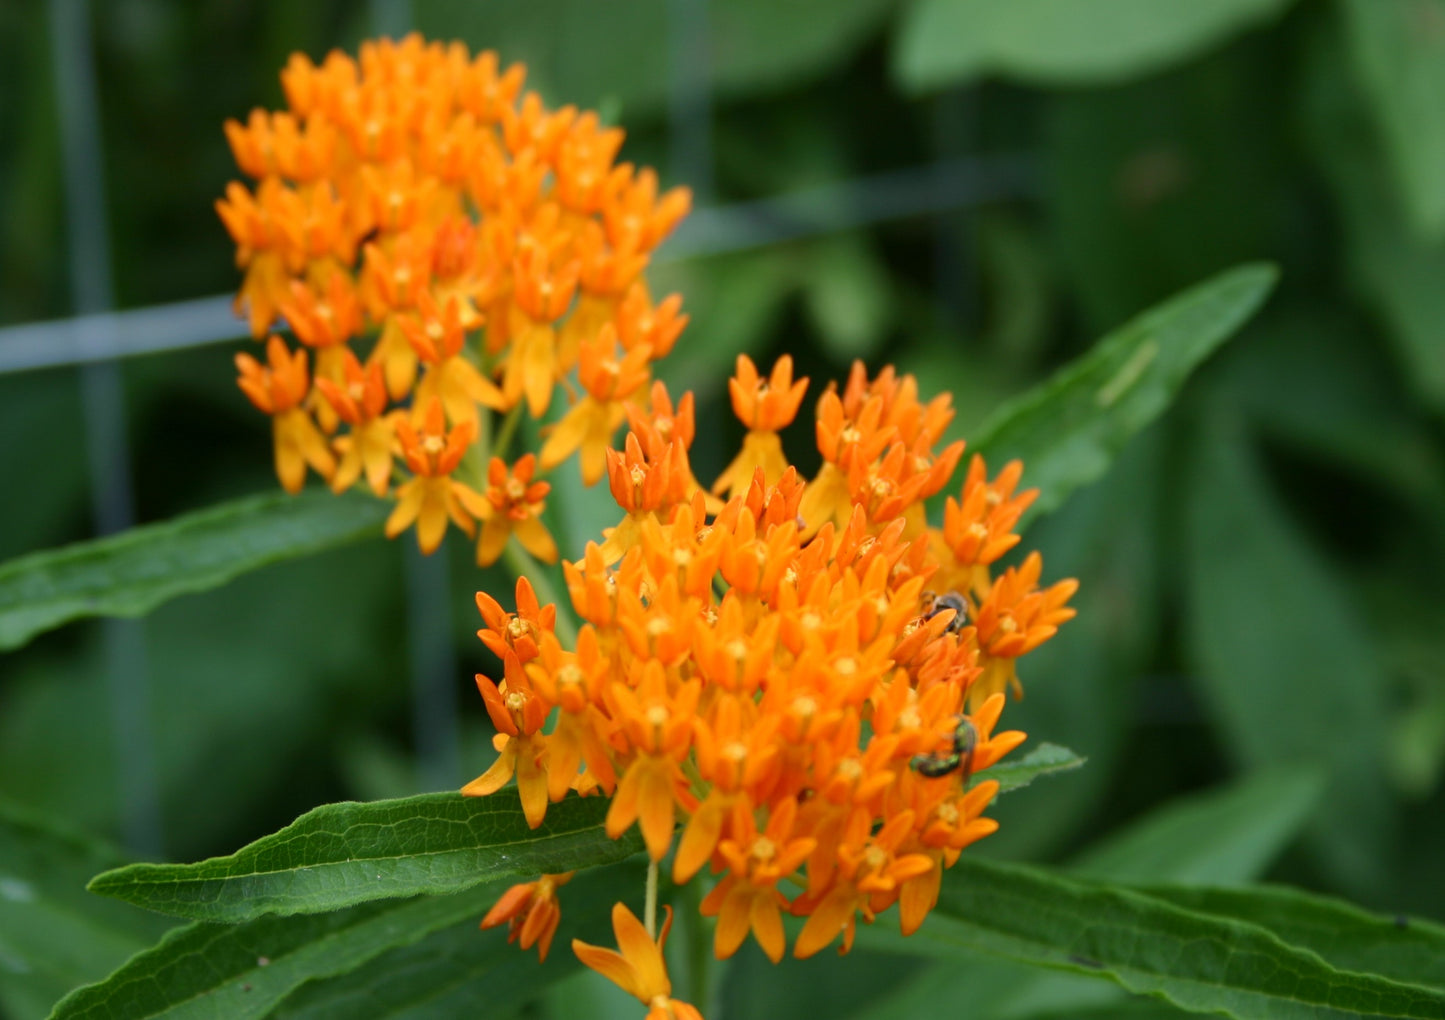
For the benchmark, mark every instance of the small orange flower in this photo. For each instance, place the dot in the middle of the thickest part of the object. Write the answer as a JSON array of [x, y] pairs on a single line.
[[519, 633], [766, 406], [432, 496], [978, 528], [532, 913], [639, 968], [512, 505], [279, 389], [361, 403], [1015, 619], [518, 713], [748, 898]]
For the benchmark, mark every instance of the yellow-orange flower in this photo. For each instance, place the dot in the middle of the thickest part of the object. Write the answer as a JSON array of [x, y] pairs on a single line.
[[418, 204], [361, 403], [639, 968], [279, 389], [766, 406], [531, 912], [432, 495], [512, 505]]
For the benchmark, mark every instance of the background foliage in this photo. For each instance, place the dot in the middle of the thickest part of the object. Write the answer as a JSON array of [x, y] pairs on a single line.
[[1257, 673]]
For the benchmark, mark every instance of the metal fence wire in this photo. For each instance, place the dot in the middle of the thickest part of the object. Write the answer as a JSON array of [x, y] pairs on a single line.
[[97, 337]]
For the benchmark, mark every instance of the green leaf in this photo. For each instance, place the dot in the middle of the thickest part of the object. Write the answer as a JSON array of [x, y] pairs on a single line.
[[1230, 835], [944, 43], [1221, 836], [414, 957], [1199, 962], [1069, 429], [53, 935], [1285, 663], [1405, 949], [131, 573], [339, 855], [1044, 760], [1392, 267], [1398, 54], [243, 970], [572, 56]]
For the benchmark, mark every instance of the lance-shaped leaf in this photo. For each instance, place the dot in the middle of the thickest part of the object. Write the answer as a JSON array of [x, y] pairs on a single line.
[[949, 42], [1406, 949], [339, 855], [238, 971], [1068, 430], [131, 573], [1222, 836], [377, 959], [454, 972], [1225, 835], [53, 935], [1044, 760], [1199, 961]]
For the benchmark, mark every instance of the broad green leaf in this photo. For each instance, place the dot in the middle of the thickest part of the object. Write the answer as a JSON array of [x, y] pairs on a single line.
[[419, 957], [1217, 837], [745, 46], [131, 573], [1406, 949], [1393, 268], [339, 855], [1397, 51], [1221, 836], [944, 43], [53, 935], [1044, 760], [1284, 662], [1199, 962], [208, 969], [1068, 430]]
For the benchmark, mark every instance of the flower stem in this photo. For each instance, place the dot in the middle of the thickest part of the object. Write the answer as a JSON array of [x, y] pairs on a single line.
[[505, 433], [650, 908]]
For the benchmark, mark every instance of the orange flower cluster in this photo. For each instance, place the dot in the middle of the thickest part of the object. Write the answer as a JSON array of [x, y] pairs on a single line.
[[419, 205], [808, 678]]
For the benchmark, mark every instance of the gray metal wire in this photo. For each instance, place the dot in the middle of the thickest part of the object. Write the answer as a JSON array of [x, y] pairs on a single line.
[[126, 670], [929, 190]]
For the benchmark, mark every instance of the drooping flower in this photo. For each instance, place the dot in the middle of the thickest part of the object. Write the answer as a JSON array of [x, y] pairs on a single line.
[[638, 968], [531, 912]]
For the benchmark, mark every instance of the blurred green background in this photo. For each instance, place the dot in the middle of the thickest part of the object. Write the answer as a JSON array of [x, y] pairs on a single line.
[[987, 186]]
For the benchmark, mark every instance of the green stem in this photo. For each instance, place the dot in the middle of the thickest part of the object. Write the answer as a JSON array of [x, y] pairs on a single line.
[[522, 564], [699, 950], [503, 442], [650, 908]]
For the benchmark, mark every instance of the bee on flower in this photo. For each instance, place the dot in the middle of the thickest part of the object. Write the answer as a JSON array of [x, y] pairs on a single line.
[[797, 691]]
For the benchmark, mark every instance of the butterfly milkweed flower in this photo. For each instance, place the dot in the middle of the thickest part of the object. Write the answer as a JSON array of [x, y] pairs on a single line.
[[798, 689], [419, 217], [638, 968]]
